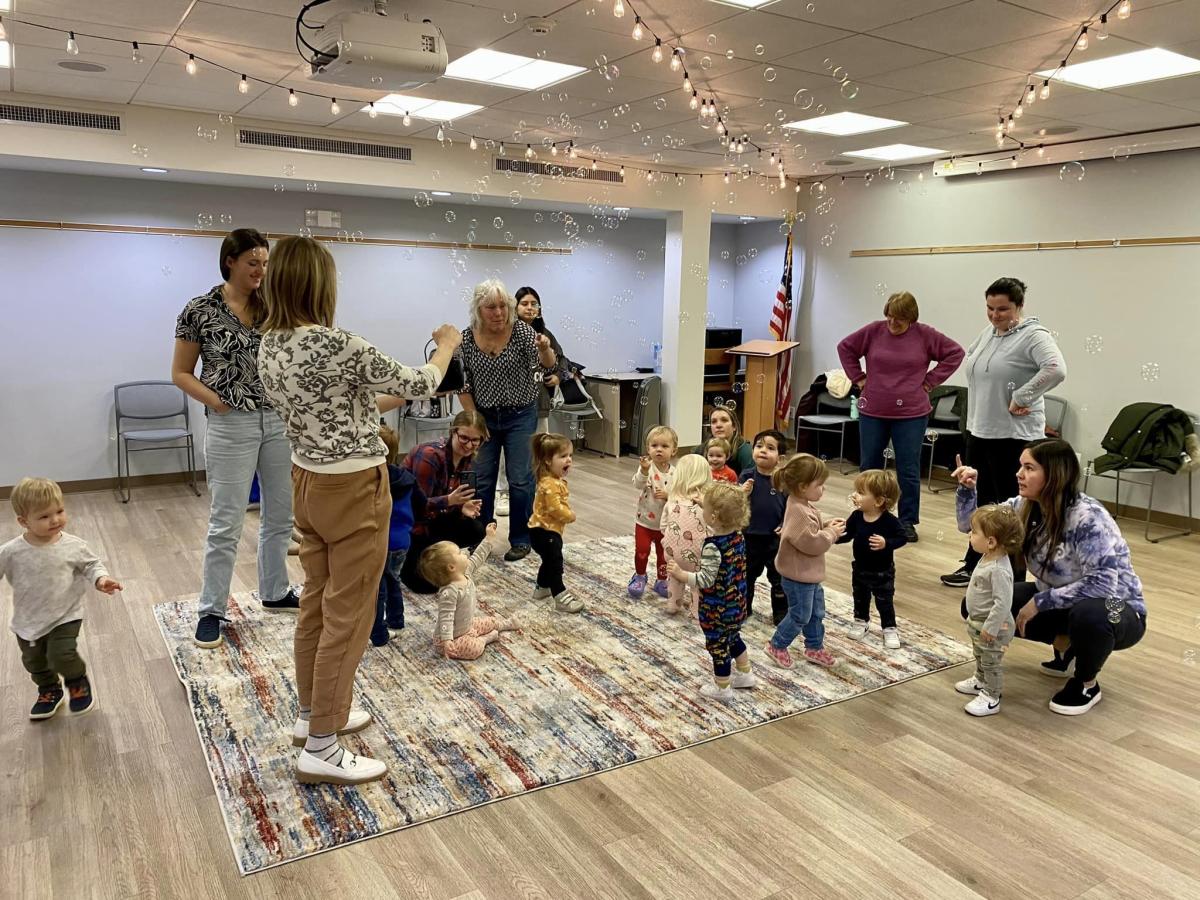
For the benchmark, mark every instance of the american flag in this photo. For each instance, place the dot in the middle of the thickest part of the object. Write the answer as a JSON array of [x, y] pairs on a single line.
[[781, 326]]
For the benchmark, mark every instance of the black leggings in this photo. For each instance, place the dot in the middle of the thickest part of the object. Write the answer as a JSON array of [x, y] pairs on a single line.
[[1093, 636], [760, 554], [549, 546], [453, 527], [997, 461]]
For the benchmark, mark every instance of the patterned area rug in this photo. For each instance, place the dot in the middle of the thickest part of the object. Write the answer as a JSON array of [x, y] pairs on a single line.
[[565, 697]]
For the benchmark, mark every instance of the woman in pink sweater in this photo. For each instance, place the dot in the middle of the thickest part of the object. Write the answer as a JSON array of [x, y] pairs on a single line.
[[803, 542], [894, 401]]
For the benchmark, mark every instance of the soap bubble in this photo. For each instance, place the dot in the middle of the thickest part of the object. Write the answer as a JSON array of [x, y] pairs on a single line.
[[204, 220], [769, 73], [899, 402], [1093, 343], [1120, 154], [1150, 372], [760, 378], [941, 535], [305, 231], [759, 49], [712, 40], [660, 104], [343, 236], [881, 288], [729, 54], [139, 150], [279, 188], [289, 170], [812, 7], [803, 98], [1012, 386], [470, 237], [497, 223], [862, 403], [538, 217], [422, 200], [451, 216], [514, 197], [310, 186], [752, 252], [357, 236], [888, 452], [225, 119], [508, 237], [817, 188], [706, 62], [724, 254], [1072, 171], [510, 17], [849, 90], [641, 254], [166, 270]]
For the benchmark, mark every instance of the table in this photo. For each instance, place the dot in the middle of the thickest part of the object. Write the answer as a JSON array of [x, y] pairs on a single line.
[[615, 394]]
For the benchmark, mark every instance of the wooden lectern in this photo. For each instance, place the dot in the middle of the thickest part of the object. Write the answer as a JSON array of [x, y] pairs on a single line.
[[762, 375]]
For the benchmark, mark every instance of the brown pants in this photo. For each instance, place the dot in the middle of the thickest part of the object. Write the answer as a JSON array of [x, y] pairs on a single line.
[[343, 524]]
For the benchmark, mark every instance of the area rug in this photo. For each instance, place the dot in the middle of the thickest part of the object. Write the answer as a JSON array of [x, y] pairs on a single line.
[[567, 696]]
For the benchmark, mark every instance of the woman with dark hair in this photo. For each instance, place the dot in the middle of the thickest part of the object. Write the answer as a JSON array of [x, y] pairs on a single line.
[[1085, 599], [894, 405], [1010, 366], [244, 434], [529, 311]]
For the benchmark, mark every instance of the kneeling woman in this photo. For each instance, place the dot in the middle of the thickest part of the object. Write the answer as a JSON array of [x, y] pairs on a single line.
[[1086, 599]]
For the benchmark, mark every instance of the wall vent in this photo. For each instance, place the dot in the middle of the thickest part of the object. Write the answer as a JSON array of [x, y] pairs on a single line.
[[58, 118], [303, 143], [552, 170]]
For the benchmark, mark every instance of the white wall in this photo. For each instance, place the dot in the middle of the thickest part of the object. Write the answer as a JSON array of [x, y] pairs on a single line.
[[745, 263], [1140, 301]]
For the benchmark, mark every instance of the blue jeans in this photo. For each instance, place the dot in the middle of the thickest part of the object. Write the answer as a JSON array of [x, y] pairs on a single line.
[[236, 445], [806, 613], [512, 430], [389, 611], [906, 436]]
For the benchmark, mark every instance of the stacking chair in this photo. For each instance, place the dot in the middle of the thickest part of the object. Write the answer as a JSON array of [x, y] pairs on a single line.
[[943, 425], [829, 422], [144, 402]]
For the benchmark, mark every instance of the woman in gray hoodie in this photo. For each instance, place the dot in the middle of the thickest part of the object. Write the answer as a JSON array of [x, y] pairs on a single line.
[[1010, 366]]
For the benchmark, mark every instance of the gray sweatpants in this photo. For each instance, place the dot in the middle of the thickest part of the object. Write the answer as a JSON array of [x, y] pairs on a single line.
[[988, 656]]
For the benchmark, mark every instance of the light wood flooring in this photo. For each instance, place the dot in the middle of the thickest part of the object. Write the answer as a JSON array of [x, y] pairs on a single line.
[[893, 794]]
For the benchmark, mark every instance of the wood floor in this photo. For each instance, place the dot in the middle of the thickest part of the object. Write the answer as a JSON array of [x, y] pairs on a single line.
[[893, 794]]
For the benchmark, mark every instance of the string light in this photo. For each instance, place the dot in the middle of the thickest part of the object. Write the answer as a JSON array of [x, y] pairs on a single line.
[[694, 103], [335, 108], [407, 120], [1102, 28], [637, 28], [137, 52], [554, 149], [1030, 95], [1041, 151], [1019, 111], [293, 100], [1013, 164], [1082, 42], [676, 62], [622, 171], [441, 135], [190, 65], [687, 83], [243, 86], [1124, 8], [727, 178], [528, 151], [593, 165], [618, 9], [1008, 124], [656, 54], [474, 145], [371, 110], [72, 47], [501, 151], [1045, 91]]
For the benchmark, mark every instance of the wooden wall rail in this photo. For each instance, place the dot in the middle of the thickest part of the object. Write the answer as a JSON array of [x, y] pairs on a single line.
[[1111, 243]]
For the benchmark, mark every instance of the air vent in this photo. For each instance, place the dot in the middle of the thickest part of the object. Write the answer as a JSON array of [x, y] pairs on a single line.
[[553, 170], [838, 161], [303, 143], [58, 118]]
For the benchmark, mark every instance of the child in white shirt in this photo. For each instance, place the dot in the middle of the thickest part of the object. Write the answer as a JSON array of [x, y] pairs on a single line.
[[653, 479]]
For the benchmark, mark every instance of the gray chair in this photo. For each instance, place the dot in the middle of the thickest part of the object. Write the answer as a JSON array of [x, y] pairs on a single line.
[[1056, 414], [151, 401], [647, 409], [1147, 476], [831, 423], [948, 429], [573, 415]]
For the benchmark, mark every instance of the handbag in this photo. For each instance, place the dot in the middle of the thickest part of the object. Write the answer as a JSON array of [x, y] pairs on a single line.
[[455, 378]]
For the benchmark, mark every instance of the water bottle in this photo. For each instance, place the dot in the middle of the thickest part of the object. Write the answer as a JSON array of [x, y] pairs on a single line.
[[656, 349], [854, 408]]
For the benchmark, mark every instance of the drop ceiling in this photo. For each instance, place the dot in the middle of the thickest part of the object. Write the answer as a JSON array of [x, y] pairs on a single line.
[[947, 67]]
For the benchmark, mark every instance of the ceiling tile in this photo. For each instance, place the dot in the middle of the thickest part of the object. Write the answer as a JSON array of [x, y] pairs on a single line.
[[161, 15], [925, 109], [667, 18], [29, 58], [1143, 116], [941, 75], [245, 27], [73, 87], [778, 35], [861, 55], [861, 15], [969, 26], [1076, 12]]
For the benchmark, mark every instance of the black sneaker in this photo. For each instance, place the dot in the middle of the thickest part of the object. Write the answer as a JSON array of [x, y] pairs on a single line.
[[49, 701], [959, 578], [208, 631], [516, 552], [910, 532], [81, 695], [289, 602], [1062, 666], [1073, 700]]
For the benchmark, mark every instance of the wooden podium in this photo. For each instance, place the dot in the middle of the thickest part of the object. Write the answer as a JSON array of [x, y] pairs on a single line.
[[762, 375]]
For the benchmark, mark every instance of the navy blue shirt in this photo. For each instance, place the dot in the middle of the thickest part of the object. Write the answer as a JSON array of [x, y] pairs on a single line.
[[859, 530], [766, 504]]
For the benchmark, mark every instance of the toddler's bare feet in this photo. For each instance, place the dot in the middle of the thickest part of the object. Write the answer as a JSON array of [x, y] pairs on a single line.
[[509, 625]]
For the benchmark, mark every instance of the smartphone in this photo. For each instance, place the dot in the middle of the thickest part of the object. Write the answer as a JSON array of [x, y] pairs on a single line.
[[539, 325], [468, 478]]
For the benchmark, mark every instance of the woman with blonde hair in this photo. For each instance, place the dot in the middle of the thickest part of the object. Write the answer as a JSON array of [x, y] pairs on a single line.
[[323, 381]]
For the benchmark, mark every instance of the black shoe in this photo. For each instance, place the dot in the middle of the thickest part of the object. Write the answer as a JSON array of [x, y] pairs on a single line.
[[81, 695], [517, 551], [1062, 666], [910, 532], [208, 631], [289, 602], [1073, 700], [49, 701], [959, 578]]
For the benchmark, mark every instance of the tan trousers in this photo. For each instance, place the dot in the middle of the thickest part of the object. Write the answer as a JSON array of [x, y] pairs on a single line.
[[343, 524]]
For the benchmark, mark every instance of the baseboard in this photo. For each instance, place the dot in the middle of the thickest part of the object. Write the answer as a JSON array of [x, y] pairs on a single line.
[[110, 484]]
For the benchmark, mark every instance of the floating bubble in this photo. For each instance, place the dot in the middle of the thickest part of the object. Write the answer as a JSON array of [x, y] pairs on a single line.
[[509, 17], [422, 200], [881, 288], [1150, 372], [1120, 154], [660, 103], [305, 231], [140, 151], [538, 217], [812, 7], [706, 62], [849, 90], [641, 254], [902, 187], [497, 223], [310, 186], [470, 237], [724, 254], [817, 189], [769, 73], [889, 453], [451, 216], [1093, 343], [899, 402], [752, 252], [759, 49], [1012, 385], [166, 270], [729, 54], [279, 188], [226, 219], [850, 504], [289, 170], [1072, 171], [225, 119], [508, 237], [711, 40], [204, 220]]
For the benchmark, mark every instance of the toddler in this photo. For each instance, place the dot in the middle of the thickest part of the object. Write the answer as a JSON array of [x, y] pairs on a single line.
[[683, 526], [717, 451], [460, 635], [996, 532], [766, 518], [721, 580], [50, 572], [408, 504], [653, 479], [876, 534], [804, 541], [551, 514]]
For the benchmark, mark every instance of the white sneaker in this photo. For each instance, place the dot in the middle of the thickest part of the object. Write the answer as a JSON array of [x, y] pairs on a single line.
[[542, 593], [357, 721], [968, 686], [743, 680], [353, 769], [982, 705], [891, 638], [712, 692], [858, 630], [502, 503], [568, 603]]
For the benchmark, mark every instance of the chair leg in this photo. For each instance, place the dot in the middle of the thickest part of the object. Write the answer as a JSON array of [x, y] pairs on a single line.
[[1150, 509], [123, 489], [842, 452]]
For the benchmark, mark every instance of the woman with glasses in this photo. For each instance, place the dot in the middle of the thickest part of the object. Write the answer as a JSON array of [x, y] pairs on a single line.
[[444, 474]]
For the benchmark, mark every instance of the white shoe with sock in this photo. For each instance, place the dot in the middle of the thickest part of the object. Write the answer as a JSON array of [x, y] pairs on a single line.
[[983, 704], [356, 721], [743, 680], [891, 638], [858, 630], [968, 686], [712, 692]]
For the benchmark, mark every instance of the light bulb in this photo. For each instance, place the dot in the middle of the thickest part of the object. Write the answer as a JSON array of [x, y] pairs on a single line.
[[1041, 151], [649, 175], [676, 62], [656, 54], [571, 150], [1045, 91], [1018, 112], [720, 126], [371, 110], [407, 120], [622, 171], [1030, 95], [694, 103], [727, 178], [1124, 8], [797, 187], [334, 108], [72, 47], [637, 28], [1008, 124], [190, 65], [1082, 42], [528, 151], [1013, 163], [687, 83], [618, 9], [1102, 28], [243, 86], [441, 135], [474, 143], [137, 51], [593, 165], [501, 151], [293, 100]]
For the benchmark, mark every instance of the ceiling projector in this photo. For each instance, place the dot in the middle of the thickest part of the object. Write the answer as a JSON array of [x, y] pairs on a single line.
[[377, 52]]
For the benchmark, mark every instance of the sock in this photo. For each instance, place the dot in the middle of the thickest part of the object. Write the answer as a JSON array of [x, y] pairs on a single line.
[[325, 747], [722, 681], [305, 712], [743, 666]]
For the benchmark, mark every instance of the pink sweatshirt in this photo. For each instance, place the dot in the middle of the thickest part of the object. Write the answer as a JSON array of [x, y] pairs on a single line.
[[898, 367], [803, 543]]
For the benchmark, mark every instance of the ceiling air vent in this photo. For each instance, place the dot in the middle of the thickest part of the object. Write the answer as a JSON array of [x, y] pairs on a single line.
[[58, 118], [553, 170], [303, 143]]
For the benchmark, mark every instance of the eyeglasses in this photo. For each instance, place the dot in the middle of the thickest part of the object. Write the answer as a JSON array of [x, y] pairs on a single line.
[[467, 440]]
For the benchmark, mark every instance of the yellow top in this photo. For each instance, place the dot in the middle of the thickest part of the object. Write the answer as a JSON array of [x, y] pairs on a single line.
[[551, 506]]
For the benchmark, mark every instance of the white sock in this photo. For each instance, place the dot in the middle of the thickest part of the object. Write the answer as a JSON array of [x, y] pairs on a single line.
[[305, 712], [325, 747]]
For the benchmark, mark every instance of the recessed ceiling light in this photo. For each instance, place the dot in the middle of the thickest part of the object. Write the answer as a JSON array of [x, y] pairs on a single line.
[[747, 218], [440, 193], [1138, 67], [510, 70], [431, 110], [5, 54], [838, 161], [620, 209], [844, 123], [893, 152], [78, 65], [154, 170], [745, 4]]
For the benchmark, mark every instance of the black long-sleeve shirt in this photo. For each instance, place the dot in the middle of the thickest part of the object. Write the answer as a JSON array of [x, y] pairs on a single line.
[[859, 530]]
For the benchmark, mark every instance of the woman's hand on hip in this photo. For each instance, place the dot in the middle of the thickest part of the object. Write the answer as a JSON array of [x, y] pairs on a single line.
[[447, 336], [1028, 611], [1017, 410], [965, 475], [221, 407]]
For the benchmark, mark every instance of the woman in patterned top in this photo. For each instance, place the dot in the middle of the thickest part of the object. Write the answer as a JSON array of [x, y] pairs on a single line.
[[505, 363], [1085, 599], [244, 434], [323, 381]]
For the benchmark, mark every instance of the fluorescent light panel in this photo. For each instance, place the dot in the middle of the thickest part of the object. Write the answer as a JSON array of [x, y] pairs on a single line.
[[1125, 69], [893, 152], [510, 70], [745, 4], [421, 108], [5, 55], [844, 123]]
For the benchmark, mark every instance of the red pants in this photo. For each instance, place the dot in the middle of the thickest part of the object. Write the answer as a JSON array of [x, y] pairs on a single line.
[[643, 537]]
